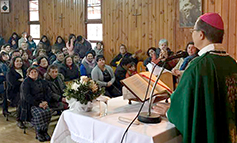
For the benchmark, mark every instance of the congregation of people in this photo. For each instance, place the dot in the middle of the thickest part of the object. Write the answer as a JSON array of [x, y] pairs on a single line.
[[33, 76]]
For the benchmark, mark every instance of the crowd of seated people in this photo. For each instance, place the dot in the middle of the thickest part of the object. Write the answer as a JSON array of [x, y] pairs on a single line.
[[35, 75], [38, 94]]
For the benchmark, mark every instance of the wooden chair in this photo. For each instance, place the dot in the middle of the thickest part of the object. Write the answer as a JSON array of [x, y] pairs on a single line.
[[140, 67]]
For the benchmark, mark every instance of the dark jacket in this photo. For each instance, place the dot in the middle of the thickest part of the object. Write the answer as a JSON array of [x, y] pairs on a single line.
[[31, 46], [41, 71], [60, 46], [70, 74], [58, 63], [120, 56], [33, 92], [56, 86], [81, 49], [13, 85], [26, 64], [47, 46], [4, 66], [120, 74], [52, 58]]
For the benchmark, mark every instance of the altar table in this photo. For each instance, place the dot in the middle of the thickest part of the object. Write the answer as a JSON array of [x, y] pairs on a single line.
[[89, 127]]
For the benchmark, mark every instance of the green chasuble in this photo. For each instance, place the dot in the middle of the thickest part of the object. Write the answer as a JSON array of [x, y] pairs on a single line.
[[203, 105]]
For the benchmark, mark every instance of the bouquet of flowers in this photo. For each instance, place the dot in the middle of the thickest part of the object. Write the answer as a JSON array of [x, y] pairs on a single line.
[[83, 90]]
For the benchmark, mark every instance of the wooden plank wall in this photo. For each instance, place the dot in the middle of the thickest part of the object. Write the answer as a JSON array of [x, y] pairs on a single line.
[[73, 19], [158, 19], [16, 20]]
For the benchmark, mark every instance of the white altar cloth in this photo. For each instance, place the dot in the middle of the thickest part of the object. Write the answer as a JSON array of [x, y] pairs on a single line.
[[90, 128]]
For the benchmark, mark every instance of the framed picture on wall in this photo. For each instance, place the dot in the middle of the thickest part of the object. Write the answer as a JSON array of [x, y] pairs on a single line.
[[5, 8], [189, 11]]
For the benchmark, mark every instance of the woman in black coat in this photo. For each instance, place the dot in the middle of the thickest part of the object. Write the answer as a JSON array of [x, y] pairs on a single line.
[[14, 78], [59, 43], [35, 95], [69, 70], [46, 45]]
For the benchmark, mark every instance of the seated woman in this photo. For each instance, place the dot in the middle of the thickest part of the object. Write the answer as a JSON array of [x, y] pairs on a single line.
[[123, 54], [151, 53], [104, 76], [99, 50], [14, 37], [43, 64], [35, 98], [14, 44], [31, 43], [183, 63], [14, 78], [40, 52], [88, 63], [26, 61], [70, 44], [160, 61], [69, 70], [163, 45], [46, 44], [59, 43], [56, 84]]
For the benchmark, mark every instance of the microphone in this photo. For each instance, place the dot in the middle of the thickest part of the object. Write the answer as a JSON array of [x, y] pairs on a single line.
[[178, 55]]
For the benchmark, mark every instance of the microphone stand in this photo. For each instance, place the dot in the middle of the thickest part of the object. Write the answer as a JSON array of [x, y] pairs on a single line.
[[148, 117]]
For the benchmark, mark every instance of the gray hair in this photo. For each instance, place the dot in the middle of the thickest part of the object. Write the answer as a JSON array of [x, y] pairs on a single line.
[[163, 41]]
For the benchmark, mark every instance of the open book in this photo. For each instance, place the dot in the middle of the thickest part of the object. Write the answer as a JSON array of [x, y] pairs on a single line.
[[138, 83]]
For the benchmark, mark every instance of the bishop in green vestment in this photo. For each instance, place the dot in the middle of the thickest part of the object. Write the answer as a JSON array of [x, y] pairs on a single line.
[[203, 105]]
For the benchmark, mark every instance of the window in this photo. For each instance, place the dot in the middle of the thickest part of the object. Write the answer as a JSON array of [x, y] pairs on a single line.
[[94, 30], [94, 9], [34, 20]]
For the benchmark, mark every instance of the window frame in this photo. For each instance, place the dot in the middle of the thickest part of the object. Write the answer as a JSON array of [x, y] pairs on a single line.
[[93, 21], [33, 22]]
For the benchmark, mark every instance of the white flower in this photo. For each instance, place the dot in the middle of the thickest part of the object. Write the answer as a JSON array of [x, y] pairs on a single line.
[[75, 86], [84, 79]]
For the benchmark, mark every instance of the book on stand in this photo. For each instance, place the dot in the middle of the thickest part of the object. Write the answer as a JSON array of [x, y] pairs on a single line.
[[138, 83]]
